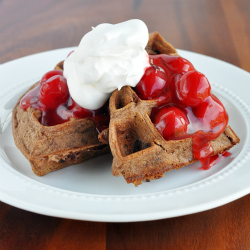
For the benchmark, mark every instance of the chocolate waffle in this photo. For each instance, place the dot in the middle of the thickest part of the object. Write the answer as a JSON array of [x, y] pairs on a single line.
[[139, 150], [50, 148]]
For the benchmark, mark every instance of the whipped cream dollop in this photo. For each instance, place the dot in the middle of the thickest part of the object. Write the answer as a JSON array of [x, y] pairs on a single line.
[[108, 57]]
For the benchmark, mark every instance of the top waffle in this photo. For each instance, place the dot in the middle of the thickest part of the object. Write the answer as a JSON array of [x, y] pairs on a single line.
[[139, 150]]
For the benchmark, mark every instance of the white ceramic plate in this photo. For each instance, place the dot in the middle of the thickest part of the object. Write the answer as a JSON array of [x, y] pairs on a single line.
[[89, 191]]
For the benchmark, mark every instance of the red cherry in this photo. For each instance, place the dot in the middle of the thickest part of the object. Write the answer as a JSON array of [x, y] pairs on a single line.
[[54, 92], [152, 84], [176, 64], [172, 123], [193, 88], [50, 74]]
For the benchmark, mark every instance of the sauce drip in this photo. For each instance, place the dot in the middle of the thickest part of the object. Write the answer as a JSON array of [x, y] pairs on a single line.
[[185, 106], [218, 158]]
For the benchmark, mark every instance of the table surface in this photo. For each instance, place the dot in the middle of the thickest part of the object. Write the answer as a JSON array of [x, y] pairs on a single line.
[[220, 29]]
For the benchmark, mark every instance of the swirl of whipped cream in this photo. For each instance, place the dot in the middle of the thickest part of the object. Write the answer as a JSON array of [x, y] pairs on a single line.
[[108, 57]]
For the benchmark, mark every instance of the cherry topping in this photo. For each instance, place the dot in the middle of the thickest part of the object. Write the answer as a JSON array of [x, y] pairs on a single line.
[[54, 92], [52, 98], [171, 122], [152, 84], [192, 88]]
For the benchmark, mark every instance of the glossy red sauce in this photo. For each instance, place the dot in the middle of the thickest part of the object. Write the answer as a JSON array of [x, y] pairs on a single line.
[[218, 158], [185, 108], [52, 98]]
